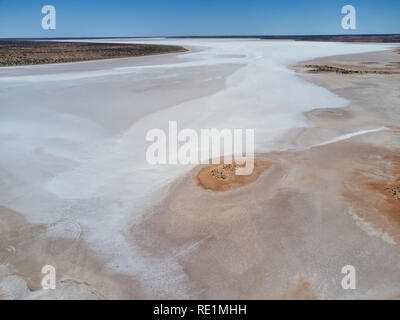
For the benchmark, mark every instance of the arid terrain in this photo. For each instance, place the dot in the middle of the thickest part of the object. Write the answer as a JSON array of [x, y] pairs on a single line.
[[25, 52], [324, 192], [288, 232]]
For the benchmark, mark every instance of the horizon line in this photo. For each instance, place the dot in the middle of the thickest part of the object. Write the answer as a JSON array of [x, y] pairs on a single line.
[[283, 36]]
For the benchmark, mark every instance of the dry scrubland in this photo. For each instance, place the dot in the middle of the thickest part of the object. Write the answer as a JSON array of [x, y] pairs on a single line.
[[19, 52]]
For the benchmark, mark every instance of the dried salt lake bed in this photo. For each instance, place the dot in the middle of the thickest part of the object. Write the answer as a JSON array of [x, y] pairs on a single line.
[[72, 159]]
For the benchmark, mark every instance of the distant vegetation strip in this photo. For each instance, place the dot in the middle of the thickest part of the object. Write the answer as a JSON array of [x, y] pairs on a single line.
[[351, 38], [333, 38], [25, 52]]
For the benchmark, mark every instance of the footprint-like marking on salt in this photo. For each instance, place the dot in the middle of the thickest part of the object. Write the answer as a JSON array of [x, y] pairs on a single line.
[[6, 254], [66, 229]]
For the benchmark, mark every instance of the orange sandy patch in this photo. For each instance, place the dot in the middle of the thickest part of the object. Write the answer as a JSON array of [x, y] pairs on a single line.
[[389, 191], [304, 290], [376, 197], [222, 177], [394, 191], [389, 202]]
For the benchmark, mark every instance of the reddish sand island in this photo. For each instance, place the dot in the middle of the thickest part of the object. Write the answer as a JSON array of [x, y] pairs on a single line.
[[222, 177]]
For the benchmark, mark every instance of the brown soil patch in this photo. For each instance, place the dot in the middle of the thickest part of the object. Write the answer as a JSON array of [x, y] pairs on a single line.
[[23, 52], [315, 68], [304, 290], [328, 114], [389, 191], [375, 194], [394, 191], [222, 177], [385, 202]]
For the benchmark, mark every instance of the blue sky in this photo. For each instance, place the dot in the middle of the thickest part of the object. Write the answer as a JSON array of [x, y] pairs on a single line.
[[22, 18]]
